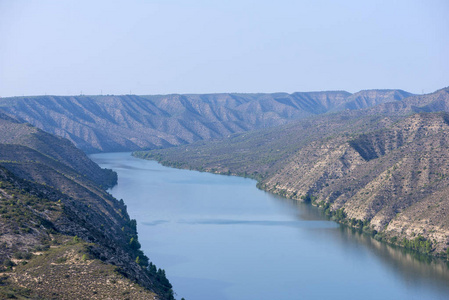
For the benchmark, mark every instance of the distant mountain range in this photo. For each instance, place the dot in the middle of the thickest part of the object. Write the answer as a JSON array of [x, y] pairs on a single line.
[[124, 123]]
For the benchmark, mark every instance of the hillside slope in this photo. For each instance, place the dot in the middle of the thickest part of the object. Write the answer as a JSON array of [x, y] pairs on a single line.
[[124, 123], [395, 178], [52, 149], [384, 172], [47, 204], [434, 102], [263, 152], [370, 98]]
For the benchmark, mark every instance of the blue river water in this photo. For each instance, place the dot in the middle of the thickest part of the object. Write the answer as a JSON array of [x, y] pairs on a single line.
[[219, 237]]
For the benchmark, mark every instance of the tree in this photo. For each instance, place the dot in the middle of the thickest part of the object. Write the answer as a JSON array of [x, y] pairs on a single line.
[[134, 243]]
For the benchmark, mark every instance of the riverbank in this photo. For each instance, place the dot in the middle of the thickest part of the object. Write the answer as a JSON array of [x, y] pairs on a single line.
[[418, 244], [219, 237]]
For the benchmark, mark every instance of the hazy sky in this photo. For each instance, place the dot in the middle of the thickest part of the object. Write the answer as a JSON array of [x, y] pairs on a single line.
[[171, 46]]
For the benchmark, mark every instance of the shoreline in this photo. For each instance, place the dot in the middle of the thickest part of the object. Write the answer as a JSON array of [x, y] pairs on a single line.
[[413, 246]]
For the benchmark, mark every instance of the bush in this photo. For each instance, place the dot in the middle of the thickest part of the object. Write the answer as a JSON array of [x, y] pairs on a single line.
[[61, 260], [419, 243], [10, 295], [23, 255], [8, 263], [134, 243]]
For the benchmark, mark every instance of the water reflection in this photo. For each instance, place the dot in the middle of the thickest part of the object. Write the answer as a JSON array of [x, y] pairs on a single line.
[[218, 237], [413, 267]]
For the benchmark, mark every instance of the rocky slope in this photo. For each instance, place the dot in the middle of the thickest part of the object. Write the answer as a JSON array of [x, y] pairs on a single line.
[[380, 168], [46, 203], [263, 152], [437, 101], [395, 178], [123, 123], [52, 149]]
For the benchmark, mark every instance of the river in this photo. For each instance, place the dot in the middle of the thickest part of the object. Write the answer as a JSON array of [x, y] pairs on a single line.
[[219, 237]]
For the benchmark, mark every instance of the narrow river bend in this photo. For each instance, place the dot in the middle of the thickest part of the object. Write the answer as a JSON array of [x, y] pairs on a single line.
[[219, 237]]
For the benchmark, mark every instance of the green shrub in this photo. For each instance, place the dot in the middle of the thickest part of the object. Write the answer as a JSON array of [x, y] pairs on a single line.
[[61, 260], [8, 263]]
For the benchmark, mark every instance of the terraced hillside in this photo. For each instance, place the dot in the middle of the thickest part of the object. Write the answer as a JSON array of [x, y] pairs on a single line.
[[124, 123]]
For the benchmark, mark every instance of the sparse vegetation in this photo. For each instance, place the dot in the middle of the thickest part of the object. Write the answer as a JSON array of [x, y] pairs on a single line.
[[64, 272], [61, 233]]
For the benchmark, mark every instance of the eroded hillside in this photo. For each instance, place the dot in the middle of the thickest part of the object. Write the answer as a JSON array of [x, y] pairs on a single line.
[[124, 123], [395, 178]]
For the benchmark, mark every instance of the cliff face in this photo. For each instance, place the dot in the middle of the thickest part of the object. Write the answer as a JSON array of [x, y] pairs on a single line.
[[384, 168], [124, 123], [50, 195]]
